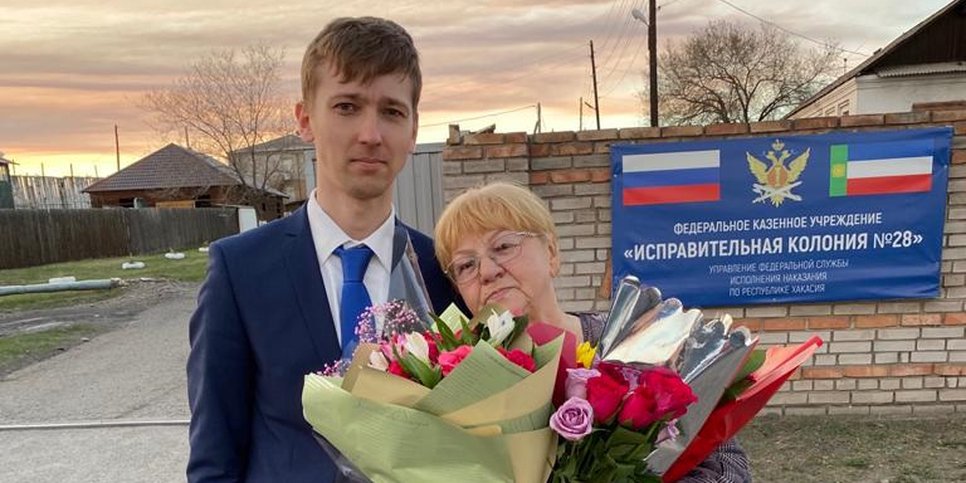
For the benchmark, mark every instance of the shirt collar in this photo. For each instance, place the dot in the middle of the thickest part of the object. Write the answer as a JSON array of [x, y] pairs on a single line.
[[380, 241]]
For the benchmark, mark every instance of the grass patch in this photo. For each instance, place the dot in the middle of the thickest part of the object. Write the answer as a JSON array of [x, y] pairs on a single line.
[[50, 300], [190, 269], [856, 463], [37, 345]]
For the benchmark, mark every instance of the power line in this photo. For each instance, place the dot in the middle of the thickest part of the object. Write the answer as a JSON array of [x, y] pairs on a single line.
[[606, 23], [672, 2], [558, 58], [783, 29], [492, 114], [616, 52], [634, 34], [630, 67]]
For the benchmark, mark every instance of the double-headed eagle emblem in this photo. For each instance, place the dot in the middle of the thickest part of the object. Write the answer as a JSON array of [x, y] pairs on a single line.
[[775, 182]]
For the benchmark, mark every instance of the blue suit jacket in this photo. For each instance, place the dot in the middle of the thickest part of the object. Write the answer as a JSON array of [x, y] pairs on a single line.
[[262, 323]]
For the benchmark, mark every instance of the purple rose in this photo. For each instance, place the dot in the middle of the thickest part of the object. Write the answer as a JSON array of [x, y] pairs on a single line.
[[577, 382], [574, 419], [669, 432]]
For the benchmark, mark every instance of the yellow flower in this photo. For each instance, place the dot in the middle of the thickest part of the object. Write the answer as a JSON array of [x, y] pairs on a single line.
[[585, 354]]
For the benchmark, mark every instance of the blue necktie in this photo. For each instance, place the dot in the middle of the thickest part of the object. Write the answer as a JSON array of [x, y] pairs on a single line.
[[355, 298]]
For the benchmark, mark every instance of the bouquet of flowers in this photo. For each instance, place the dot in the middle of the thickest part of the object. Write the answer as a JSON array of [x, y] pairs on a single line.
[[451, 399], [664, 389], [613, 418]]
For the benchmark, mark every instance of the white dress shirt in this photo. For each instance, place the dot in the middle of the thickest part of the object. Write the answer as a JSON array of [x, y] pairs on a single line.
[[327, 236]]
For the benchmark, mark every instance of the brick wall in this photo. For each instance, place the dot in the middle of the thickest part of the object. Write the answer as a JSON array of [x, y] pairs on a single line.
[[905, 356]]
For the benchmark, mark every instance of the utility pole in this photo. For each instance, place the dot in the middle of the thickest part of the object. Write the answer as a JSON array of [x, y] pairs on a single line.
[[580, 107], [652, 56], [593, 72], [651, 22], [117, 149], [187, 142], [539, 126]]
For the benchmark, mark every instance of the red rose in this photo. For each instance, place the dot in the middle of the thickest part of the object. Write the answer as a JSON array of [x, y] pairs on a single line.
[[396, 368], [519, 358], [605, 394], [619, 372], [433, 349], [448, 360], [640, 409], [671, 393]]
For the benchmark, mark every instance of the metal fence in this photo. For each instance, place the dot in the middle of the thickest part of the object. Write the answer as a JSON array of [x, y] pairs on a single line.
[[418, 191], [38, 237], [48, 192]]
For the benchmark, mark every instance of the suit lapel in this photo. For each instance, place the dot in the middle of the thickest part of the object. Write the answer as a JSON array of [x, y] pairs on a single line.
[[302, 264]]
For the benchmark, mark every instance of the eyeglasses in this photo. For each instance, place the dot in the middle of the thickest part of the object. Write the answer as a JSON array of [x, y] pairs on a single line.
[[503, 249]]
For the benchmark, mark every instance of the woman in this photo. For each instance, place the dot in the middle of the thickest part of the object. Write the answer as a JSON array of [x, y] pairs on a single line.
[[498, 244]]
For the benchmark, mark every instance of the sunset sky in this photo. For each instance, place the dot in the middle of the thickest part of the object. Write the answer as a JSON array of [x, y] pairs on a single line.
[[72, 69]]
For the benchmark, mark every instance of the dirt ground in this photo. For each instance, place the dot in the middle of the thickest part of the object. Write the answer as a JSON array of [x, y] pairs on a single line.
[[873, 449], [100, 316]]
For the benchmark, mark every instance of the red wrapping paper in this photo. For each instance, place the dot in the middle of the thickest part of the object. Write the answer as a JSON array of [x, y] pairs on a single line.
[[726, 420], [542, 333]]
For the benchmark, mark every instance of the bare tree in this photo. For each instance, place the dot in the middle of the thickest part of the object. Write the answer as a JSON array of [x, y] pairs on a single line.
[[730, 73], [234, 101]]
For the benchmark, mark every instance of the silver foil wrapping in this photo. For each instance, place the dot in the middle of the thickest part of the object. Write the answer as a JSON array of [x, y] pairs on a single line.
[[644, 331], [405, 279]]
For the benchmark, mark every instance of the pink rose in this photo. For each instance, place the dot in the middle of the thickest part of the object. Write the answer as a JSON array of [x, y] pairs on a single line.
[[573, 419], [448, 360], [577, 381]]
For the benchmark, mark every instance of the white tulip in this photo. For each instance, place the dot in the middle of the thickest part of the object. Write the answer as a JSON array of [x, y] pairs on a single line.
[[500, 326], [416, 345], [378, 361]]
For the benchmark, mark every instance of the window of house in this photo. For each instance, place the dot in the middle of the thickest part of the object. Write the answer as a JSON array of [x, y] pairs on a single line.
[[844, 108]]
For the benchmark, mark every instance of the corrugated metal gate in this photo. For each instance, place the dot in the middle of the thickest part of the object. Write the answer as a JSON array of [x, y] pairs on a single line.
[[419, 188], [418, 193]]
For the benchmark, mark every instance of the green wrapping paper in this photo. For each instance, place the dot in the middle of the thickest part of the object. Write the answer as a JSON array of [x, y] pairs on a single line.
[[486, 421]]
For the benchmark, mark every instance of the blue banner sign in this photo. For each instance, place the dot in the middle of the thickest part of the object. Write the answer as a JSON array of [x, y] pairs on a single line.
[[837, 216]]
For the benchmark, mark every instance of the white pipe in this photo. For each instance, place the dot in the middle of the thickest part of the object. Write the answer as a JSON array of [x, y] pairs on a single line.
[[92, 425], [60, 286]]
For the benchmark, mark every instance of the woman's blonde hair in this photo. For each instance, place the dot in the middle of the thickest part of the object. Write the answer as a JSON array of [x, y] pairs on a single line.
[[495, 206]]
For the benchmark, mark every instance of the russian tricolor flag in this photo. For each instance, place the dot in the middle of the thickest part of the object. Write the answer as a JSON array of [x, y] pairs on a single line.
[[677, 177], [880, 168]]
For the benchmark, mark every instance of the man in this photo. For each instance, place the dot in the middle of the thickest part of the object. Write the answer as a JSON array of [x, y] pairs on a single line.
[[274, 305]]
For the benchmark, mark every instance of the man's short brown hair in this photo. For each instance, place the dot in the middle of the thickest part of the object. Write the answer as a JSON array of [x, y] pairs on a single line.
[[361, 49]]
